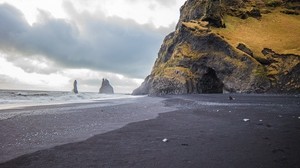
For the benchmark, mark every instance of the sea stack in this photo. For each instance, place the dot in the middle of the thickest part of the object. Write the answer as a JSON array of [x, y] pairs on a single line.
[[224, 46], [75, 90], [106, 88]]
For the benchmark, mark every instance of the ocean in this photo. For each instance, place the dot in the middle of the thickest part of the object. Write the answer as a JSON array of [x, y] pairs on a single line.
[[21, 98]]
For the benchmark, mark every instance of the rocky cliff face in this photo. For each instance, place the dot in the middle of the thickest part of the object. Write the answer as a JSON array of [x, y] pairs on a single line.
[[106, 88], [222, 46]]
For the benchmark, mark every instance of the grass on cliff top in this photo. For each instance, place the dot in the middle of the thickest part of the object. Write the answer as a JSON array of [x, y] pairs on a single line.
[[277, 31]]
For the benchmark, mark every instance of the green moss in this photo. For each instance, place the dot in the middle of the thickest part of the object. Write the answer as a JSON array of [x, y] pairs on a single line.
[[260, 72], [273, 3], [178, 73], [272, 72], [275, 30], [235, 62], [184, 50]]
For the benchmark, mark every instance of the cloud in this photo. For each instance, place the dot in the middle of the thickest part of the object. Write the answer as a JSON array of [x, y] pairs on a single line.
[[109, 44], [34, 64], [167, 3], [15, 77], [8, 82]]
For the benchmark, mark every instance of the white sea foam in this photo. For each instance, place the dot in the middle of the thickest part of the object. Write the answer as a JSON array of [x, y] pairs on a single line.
[[14, 99]]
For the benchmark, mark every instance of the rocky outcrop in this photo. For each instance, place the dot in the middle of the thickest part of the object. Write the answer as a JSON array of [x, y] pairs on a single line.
[[198, 58], [210, 10], [283, 71], [245, 49], [75, 90], [106, 88]]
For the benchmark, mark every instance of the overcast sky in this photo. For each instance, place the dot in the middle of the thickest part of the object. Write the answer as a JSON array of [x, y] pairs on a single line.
[[46, 45]]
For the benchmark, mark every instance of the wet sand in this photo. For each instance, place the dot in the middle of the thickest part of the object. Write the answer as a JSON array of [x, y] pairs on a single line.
[[30, 129], [201, 131]]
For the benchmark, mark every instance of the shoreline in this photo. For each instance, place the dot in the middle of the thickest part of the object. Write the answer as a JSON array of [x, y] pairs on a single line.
[[199, 134], [48, 98], [40, 127]]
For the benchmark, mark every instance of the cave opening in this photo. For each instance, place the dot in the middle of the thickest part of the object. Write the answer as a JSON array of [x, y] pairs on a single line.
[[210, 83]]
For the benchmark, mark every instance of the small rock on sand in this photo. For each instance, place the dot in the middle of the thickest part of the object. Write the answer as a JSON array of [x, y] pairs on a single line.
[[165, 140]]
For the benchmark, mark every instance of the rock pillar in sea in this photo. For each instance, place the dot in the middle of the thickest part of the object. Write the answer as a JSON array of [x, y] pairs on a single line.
[[75, 90], [106, 87]]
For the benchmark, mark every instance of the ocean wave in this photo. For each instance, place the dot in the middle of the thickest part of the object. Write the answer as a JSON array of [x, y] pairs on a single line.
[[27, 94], [25, 98]]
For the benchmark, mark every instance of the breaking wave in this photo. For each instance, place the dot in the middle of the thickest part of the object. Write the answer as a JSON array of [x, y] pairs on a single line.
[[17, 98]]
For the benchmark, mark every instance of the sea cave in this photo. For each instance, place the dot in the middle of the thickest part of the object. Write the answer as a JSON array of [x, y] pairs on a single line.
[[210, 83]]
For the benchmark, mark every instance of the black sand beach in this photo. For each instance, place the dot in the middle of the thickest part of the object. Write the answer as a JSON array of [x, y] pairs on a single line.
[[201, 131]]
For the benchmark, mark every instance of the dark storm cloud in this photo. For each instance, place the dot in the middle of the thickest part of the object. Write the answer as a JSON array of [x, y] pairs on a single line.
[[90, 41]]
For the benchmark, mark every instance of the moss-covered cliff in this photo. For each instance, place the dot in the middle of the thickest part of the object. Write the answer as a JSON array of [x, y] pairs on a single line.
[[230, 46]]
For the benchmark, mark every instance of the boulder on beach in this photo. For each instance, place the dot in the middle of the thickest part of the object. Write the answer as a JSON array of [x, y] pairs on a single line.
[[106, 88], [75, 90]]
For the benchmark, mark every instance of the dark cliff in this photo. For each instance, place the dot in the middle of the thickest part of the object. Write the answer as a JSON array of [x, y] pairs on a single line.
[[245, 46]]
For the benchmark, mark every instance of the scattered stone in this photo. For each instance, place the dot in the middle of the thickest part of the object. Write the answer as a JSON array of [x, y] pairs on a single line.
[[255, 13], [290, 12], [267, 51], [265, 11], [245, 49], [269, 126], [246, 119], [274, 3]]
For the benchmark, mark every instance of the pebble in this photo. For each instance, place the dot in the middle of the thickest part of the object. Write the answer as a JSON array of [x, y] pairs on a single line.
[[165, 140], [246, 119]]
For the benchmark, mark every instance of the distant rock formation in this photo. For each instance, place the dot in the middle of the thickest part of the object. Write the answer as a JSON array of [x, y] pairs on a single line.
[[75, 90], [229, 46], [106, 87]]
